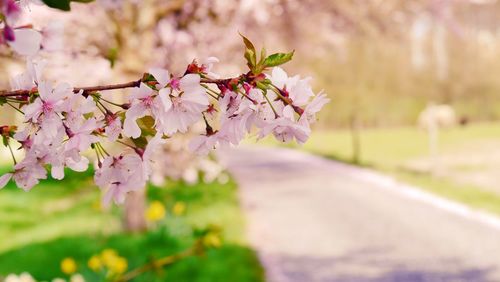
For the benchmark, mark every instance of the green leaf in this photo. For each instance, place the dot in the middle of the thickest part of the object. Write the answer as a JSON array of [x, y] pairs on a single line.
[[140, 142], [251, 59], [248, 43], [112, 56], [278, 59], [63, 5], [147, 77], [250, 52], [262, 56], [262, 86], [3, 100], [147, 121], [147, 124]]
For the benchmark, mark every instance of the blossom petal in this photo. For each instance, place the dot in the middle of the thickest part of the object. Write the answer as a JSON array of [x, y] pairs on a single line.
[[57, 172], [279, 77], [79, 166], [317, 103], [45, 90], [190, 83], [27, 41], [33, 111], [161, 75], [4, 179], [142, 91], [165, 99], [130, 127]]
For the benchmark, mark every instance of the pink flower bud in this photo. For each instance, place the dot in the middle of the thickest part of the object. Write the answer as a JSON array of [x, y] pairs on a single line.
[[139, 151], [11, 8], [8, 33]]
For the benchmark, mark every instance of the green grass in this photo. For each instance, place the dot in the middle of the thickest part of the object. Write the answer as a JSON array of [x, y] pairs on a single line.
[[59, 219], [471, 195], [52, 209], [390, 147]]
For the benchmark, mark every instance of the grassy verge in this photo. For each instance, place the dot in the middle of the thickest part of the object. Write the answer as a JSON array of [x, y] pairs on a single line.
[[60, 219], [471, 195], [388, 149]]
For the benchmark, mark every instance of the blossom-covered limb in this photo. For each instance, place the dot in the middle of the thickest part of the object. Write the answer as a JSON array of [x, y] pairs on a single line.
[[62, 122]]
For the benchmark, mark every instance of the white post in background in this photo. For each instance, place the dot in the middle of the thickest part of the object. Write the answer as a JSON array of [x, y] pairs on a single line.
[[433, 119]]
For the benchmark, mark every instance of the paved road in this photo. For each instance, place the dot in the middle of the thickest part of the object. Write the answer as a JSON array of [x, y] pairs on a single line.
[[313, 219]]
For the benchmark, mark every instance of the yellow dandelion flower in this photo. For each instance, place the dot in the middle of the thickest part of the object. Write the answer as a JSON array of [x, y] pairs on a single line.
[[108, 256], [156, 211], [179, 208], [119, 265], [95, 263], [212, 240], [68, 266]]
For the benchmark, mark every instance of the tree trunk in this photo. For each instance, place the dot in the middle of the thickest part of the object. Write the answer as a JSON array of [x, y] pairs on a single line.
[[356, 142], [433, 132], [135, 207]]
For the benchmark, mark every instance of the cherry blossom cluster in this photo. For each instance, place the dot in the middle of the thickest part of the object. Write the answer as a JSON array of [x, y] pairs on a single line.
[[62, 123], [274, 104], [23, 39]]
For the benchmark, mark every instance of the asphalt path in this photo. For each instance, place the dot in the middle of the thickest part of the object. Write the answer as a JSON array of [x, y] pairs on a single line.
[[312, 219]]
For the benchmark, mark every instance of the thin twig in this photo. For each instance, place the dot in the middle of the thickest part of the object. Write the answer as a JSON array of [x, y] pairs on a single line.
[[86, 90], [15, 108], [158, 264], [12, 153], [271, 104], [131, 84], [125, 144]]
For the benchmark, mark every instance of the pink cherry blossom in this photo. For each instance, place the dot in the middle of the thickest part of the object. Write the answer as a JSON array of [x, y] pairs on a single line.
[[314, 107], [203, 144], [285, 128], [28, 173], [81, 137], [150, 152], [298, 90], [209, 63], [60, 124], [188, 103], [119, 175], [144, 101], [50, 101], [113, 128], [162, 76], [27, 41], [11, 10], [30, 78], [4, 179]]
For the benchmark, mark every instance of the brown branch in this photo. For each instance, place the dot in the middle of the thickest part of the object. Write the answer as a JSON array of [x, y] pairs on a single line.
[[14, 93], [131, 84], [216, 81], [162, 262]]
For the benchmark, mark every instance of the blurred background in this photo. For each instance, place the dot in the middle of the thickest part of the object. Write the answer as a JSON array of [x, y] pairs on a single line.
[[414, 88]]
